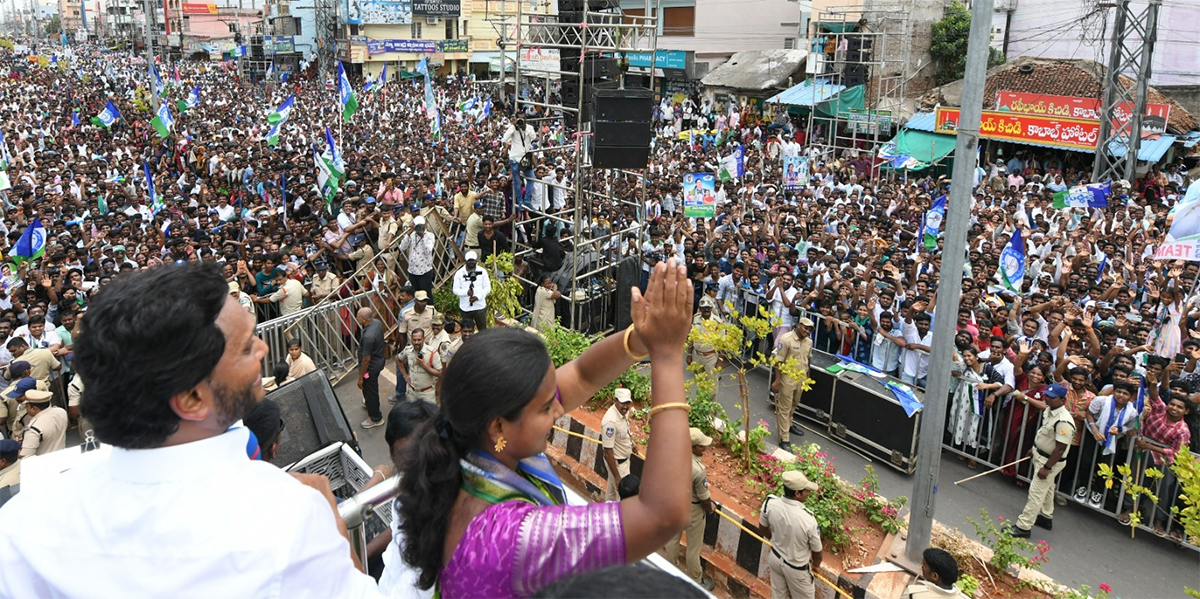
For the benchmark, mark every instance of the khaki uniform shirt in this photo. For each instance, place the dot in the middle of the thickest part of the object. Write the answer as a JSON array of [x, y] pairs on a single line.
[[616, 433], [1057, 426], [290, 297], [411, 320], [41, 361], [74, 391], [792, 346], [795, 535], [323, 286], [697, 322], [474, 225], [421, 379], [46, 432], [11, 475], [441, 343], [543, 308], [699, 480], [452, 349]]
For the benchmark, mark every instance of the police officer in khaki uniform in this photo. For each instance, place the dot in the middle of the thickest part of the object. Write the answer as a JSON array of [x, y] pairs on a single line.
[[795, 344], [13, 411], [795, 538], [702, 505], [1050, 447], [419, 316], [702, 353], [420, 366], [47, 428], [438, 339], [10, 464], [940, 573], [617, 443]]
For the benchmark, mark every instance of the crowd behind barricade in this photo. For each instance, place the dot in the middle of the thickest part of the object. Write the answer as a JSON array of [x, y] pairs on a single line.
[[844, 255]]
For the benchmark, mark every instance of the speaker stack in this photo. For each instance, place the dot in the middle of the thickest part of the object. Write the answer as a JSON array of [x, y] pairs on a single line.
[[622, 129]]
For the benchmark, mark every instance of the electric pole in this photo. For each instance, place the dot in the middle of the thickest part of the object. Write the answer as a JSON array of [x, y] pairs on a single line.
[[958, 215], [149, 8]]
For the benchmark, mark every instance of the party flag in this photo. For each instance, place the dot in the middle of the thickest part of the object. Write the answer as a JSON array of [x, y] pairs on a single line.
[[349, 102], [163, 121], [933, 222], [32, 243], [1012, 263], [1094, 195], [107, 117], [282, 113]]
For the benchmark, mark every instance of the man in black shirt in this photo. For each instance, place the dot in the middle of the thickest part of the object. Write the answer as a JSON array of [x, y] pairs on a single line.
[[492, 240], [371, 362]]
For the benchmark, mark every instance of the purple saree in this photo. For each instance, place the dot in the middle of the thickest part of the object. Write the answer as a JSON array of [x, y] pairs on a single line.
[[514, 548]]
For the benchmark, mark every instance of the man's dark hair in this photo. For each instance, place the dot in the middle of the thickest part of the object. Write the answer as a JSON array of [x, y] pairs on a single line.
[[621, 581], [37, 320], [149, 337], [266, 422], [629, 486], [16, 342], [942, 563]]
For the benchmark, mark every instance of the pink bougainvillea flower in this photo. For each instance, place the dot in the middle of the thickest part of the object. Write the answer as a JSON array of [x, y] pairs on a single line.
[[1104, 587]]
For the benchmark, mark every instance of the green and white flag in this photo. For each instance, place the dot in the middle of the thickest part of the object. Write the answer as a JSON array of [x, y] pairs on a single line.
[[345, 94], [327, 180], [192, 100], [157, 83], [282, 113], [272, 136], [163, 121]]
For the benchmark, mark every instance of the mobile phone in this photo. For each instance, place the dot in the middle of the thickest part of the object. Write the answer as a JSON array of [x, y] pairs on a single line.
[[1180, 358]]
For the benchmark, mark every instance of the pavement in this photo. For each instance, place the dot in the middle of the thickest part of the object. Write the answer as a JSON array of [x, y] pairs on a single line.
[[1087, 547]]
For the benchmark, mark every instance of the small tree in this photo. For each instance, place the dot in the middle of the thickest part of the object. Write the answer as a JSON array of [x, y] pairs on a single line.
[[948, 45], [732, 345], [53, 25]]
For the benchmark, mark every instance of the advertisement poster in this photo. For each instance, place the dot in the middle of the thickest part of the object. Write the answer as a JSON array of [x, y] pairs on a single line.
[[795, 172], [437, 8], [699, 199], [379, 12]]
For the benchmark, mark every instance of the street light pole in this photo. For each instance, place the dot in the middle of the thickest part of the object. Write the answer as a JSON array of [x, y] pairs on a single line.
[[958, 215]]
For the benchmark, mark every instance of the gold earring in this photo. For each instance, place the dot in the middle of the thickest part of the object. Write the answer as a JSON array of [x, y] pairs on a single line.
[[501, 443]]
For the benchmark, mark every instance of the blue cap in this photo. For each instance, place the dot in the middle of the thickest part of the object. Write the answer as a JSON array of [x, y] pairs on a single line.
[[23, 385], [414, 207], [1055, 391], [9, 446], [478, 205]]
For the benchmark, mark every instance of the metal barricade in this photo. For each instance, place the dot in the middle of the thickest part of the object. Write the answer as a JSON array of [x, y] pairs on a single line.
[[1004, 432], [327, 331]]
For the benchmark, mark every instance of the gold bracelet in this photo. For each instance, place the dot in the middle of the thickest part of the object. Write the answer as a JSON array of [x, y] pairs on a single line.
[[629, 352], [679, 405]]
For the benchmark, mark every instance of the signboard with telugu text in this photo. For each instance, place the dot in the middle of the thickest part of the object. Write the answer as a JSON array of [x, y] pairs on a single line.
[[699, 195], [1059, 132], [1153, 123]]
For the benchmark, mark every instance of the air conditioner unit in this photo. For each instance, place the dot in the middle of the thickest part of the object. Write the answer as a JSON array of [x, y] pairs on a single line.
[[432, 20]]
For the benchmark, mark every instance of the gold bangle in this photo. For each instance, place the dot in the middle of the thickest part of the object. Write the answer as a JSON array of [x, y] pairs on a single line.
[[679, 405], [629, 352]]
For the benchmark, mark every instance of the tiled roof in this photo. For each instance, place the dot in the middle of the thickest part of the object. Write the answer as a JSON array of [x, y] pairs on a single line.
[[1083, 78]]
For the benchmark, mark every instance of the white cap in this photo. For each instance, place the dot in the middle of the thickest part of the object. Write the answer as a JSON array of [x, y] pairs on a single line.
[[471, 255], [623, 395], [418, 221]]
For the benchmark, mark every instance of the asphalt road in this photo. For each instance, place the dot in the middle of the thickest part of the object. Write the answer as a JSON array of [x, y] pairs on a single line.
[[1087, 547]]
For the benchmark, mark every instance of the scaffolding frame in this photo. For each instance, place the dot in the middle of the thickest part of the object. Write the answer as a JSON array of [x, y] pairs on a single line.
[[594, 257], [887, 51], [1131, 50]]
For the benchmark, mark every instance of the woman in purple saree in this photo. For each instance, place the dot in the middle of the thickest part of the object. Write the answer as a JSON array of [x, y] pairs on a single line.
[[484, 514]]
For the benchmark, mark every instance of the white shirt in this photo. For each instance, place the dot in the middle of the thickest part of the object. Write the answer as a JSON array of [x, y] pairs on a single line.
[[193, 520], [399, 580], [520, 140], [483, 286]]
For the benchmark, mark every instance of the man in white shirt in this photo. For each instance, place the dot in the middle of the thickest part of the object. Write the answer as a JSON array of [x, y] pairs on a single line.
[[520, 138], [472, 286], [169, 511]]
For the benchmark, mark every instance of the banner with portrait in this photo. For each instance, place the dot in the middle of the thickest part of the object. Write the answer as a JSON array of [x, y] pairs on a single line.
[[699, 195], [795, 172]]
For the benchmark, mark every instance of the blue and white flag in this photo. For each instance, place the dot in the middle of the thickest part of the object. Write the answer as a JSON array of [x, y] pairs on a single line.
[[487, 109], [1012, 263], [5, 156], [270, 71], [732, 166], [192, 100], [933, 222], [1103, 265], [282, 113], [346, 94], [156, 82], [32, 243], [1094, 195], [423, 66], [335, 156], [1183, 238], [107, 117], [154, 199], [74, 119]]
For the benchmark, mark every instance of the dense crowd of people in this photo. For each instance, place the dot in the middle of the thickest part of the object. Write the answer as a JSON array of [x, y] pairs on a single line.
[[1096, 324]]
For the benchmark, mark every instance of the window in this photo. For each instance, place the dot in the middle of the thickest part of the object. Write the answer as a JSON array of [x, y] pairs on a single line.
[[789, 43], [416, 30], [679, 21], [296, 23], [450, 29], [464, 27]]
